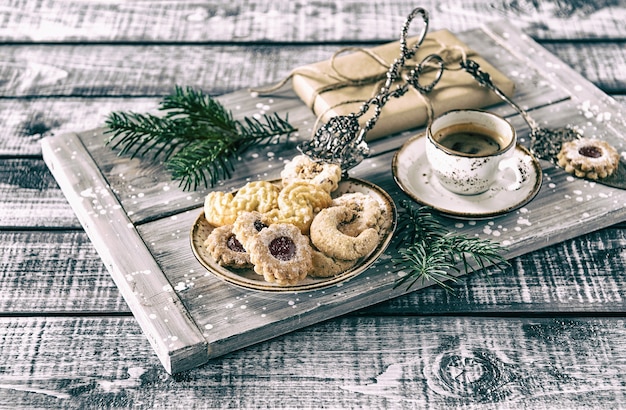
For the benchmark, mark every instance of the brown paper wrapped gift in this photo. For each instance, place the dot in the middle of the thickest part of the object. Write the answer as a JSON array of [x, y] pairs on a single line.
[[340, 85]]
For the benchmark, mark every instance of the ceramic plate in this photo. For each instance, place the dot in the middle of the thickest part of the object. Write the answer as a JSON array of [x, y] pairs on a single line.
[[248, 279], [412, 173]]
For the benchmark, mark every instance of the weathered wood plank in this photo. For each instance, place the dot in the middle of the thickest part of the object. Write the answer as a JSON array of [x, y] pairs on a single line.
[[579, 275], [79, 283], [587, 279], [366, 362], [161, 314], [147, 70], [600, 63], [150, 70], [239, 21], [30, 197], [23, 122], [573, 276]]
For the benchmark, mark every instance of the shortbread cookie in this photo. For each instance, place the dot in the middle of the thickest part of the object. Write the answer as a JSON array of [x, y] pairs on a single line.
[[226, 249], [281, 254], [588, 158], [223, 208], [303, 169], [327, 237]]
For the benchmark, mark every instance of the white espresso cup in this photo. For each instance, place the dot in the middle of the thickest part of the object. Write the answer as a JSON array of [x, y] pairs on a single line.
[[469, 149]]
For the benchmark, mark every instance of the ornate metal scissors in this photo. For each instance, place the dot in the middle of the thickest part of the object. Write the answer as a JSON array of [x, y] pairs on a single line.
[[342, 139]]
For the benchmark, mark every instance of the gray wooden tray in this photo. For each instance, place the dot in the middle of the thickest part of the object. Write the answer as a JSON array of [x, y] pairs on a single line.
[[139, 220]]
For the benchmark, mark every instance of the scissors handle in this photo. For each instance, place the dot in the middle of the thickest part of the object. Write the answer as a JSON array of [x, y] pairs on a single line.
[[415, 74], [405, 51]]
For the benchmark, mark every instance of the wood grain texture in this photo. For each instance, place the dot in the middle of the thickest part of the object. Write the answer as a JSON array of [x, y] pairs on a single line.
[[23, 122], [172, 333], [230, 318], [542, 282], [523, 322], [151, 70], [259, 21], [579, 275], [365, 362], [80, 282], [31, 196]]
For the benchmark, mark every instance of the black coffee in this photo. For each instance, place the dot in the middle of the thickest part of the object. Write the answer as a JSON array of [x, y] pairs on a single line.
[[469, 140]]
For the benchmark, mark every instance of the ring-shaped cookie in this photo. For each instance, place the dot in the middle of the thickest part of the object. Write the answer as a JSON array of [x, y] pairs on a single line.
[[324, 266], [281, 254], [367, 212], [303, 169], [327, 237], [588, 158]]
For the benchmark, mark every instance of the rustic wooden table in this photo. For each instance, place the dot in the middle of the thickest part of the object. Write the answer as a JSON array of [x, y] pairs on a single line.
[[547, 333]]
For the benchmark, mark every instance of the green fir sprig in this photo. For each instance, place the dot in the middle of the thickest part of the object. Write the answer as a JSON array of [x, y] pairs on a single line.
[[197, 138], [432, 253]]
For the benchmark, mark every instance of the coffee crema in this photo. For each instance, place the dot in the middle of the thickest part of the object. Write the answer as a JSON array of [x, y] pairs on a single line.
[[469, 139]]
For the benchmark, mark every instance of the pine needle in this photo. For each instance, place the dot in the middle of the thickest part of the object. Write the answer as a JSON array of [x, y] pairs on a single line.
[[434, 253], [196, 137]]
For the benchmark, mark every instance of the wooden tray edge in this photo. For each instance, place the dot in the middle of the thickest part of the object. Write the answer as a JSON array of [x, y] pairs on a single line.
[[173, 334]]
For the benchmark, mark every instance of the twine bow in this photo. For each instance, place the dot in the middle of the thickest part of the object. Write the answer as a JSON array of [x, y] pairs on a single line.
[[336, 78]]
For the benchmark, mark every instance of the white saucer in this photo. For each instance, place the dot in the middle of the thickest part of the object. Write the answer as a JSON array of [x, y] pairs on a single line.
[[412, 173]]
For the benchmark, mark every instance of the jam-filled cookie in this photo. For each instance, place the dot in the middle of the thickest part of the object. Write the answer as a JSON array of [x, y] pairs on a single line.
[[588, 158], [223, 208], [281, 254], [226, 249], [248, 225], [327, 237], [303, 169]]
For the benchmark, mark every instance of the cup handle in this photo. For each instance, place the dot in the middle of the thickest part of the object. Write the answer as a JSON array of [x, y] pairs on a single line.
[[514, 164]]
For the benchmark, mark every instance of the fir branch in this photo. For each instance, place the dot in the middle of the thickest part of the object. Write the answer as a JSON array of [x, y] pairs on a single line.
[[196, 136], [435, 254]]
